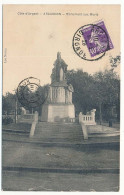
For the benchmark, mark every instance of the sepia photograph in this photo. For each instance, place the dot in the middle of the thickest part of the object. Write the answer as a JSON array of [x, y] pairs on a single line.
[[61, 97]]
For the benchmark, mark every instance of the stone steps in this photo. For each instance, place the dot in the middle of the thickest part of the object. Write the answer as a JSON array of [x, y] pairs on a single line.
[[61, 133], [70, 132], [58, 132]]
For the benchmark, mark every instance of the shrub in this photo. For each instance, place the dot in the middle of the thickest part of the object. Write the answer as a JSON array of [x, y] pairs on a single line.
[[7, 120]]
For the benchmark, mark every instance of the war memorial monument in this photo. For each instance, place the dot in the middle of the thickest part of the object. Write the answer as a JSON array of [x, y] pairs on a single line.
[[59, 106]]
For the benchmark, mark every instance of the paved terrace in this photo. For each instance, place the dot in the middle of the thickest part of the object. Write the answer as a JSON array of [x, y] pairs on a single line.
[[58, 159]]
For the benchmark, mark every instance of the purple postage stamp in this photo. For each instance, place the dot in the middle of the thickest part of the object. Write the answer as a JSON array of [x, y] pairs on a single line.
[[97, 38]]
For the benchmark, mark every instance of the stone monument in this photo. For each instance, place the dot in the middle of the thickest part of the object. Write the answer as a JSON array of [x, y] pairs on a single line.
[[59, 106]]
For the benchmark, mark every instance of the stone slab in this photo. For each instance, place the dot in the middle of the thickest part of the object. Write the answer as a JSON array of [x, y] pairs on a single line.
[[57, 112]]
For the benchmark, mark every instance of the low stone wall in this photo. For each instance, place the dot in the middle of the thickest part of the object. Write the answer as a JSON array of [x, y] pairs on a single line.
[[84, 130], [33, 126], [25, 118], [89, 118]]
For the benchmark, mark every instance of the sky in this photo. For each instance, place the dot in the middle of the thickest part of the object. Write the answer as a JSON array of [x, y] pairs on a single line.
[[31, 39]]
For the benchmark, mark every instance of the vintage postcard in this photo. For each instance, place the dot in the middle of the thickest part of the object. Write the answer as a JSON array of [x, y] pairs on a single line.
[[61, 98]]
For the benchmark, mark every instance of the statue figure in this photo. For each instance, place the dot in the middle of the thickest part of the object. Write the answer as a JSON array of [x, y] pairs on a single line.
[[61, 75], [59, 70]]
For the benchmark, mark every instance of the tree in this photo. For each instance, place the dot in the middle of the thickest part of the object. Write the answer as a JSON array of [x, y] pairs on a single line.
[[114, 61], [8, 103], [100, 91], [43, 93], [106, 91], [81, 82]]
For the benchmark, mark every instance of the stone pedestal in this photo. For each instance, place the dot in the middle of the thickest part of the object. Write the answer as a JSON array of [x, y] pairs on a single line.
[[58, 113]]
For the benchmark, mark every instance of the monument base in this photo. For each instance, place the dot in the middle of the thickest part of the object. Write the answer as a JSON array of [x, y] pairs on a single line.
[[58, 113]]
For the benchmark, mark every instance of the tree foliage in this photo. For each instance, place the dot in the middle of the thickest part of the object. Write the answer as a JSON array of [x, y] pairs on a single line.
[[8, 102], [100, 91], [81, 81], [114, 61]]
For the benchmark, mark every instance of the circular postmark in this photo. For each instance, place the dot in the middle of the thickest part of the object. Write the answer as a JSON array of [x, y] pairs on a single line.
[[90, 42], [29, 93]]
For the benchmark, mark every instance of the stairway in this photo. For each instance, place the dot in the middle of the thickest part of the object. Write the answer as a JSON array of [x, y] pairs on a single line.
[[58, 132]]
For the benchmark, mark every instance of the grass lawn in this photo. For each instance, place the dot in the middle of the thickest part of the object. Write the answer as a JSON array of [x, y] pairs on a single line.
[[18, 126], [28, 155], [13, 181]]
